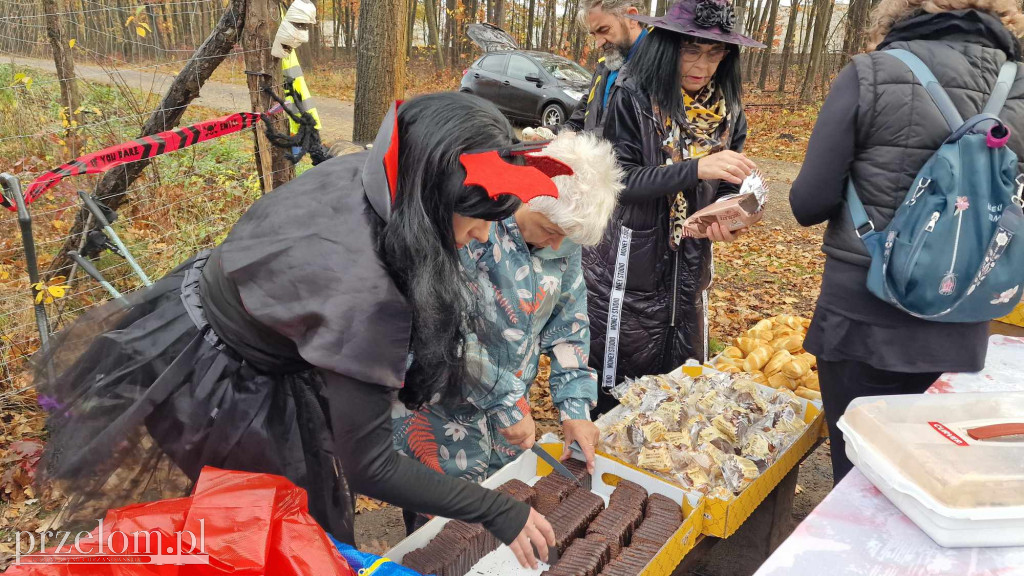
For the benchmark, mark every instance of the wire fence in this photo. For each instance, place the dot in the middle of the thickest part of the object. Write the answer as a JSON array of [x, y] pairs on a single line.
[[125, 52]]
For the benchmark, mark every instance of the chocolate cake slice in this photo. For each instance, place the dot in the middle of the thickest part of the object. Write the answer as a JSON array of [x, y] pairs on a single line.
[[579, 470], [551, 490], [571, 518]]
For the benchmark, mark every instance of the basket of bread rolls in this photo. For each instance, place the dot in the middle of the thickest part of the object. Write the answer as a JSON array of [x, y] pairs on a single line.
[[772, 353]]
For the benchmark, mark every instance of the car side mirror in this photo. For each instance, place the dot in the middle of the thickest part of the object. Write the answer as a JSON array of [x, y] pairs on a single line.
[[534, 78]]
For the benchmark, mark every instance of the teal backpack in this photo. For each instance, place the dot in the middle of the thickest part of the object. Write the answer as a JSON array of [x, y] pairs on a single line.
[[952, 253]]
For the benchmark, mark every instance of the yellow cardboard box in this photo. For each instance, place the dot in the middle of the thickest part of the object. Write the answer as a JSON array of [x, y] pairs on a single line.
[[1016, 317], [723, 517]]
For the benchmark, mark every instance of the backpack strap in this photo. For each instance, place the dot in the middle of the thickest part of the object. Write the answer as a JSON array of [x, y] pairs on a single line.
[[862, 223], [1001, 90], [931, 84]]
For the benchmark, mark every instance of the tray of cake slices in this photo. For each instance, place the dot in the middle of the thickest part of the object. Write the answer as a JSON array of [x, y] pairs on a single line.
[[617, 522]]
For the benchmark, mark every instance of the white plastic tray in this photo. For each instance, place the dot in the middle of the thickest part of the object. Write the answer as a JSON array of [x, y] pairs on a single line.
[[948, 526], [502, 562]]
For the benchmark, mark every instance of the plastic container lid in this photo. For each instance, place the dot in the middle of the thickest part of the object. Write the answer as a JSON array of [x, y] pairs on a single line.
[[961, 455]]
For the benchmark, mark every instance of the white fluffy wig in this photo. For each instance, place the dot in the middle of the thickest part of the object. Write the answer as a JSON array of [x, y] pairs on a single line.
[[586, 199]]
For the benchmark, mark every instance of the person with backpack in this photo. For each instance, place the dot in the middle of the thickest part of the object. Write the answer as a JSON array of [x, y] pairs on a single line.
[[921, 215]]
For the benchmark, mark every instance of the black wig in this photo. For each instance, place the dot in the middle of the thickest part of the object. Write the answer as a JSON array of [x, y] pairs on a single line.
[[655, 68], [418, 243]]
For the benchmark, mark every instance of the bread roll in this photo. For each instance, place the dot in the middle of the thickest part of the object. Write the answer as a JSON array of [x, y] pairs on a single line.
[[810, 381], [775, 364], [791, 321], [732, 352], [747, 344], [779, 381], [759, 377], [793, 343], [729, 369], [763, 325], [796, 369], [757, 359], [811, 360], [808, 393], [805, 323]]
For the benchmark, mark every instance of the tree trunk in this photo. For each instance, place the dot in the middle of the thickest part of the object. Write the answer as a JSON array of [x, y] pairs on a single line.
[[380, 69], [741, 9], [411, 28], [261, 24], [65, 72], [545, 36], [817, 50], [787, 47], [812, 14], [769, 40], [429, 14], [499, 13], [183, 90], [754, 31], [662, 7], [529, 24], [856, 26], [451, 28]]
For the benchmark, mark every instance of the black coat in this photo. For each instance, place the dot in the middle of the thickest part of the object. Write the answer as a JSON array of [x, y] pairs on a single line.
[[664, 315]]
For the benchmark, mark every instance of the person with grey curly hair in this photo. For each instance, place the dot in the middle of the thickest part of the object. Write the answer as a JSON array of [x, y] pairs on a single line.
[[617, 37], [528, 283]]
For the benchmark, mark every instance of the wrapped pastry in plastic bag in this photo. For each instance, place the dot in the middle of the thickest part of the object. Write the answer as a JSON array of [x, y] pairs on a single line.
[[738, 472]]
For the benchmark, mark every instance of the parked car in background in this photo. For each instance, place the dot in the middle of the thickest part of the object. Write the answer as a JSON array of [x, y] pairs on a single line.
[[528, 86]]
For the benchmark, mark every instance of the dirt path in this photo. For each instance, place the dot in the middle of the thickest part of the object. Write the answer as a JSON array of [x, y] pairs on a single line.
[[336, 114]]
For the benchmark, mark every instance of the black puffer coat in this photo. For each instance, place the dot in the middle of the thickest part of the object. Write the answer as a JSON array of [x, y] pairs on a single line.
[[664, 313]]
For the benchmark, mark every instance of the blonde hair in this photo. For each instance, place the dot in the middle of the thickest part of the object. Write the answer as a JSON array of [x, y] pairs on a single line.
[[889, 12], [586, 199]]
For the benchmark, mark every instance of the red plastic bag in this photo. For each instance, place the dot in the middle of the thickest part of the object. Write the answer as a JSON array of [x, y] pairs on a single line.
[[234, 523]]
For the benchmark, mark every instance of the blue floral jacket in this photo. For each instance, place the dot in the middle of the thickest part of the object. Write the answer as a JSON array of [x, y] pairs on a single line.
[[528, 302]]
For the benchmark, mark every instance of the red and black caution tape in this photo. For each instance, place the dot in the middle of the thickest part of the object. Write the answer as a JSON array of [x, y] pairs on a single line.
[[138, 149]]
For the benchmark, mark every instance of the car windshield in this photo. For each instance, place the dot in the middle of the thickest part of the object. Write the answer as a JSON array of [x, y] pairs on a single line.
[[567, 70]]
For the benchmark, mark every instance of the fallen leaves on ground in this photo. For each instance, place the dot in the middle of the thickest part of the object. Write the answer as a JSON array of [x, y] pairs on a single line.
[[773, 269], [780, 132], [367, 504]]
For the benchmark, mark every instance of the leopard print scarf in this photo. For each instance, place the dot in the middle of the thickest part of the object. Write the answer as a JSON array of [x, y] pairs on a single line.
[[696, 137]]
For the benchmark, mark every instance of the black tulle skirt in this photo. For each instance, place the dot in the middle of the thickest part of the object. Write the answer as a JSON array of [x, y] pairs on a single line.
[[143, 394]]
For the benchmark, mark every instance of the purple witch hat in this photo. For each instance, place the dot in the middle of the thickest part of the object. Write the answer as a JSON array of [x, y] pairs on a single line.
[[710, 19]]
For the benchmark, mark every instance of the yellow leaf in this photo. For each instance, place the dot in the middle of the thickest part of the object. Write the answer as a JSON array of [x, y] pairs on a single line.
[[129, 20], [39, 297], [18, 77], [97, 111], [58, 291], [140, 31], [146, 26], [71, 43], [28, 82]]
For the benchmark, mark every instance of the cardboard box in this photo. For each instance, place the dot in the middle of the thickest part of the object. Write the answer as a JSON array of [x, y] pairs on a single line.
[[1016, 317], [529, 469], [723, 517]]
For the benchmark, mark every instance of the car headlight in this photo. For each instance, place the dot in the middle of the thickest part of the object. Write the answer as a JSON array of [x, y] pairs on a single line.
[[574, 94]]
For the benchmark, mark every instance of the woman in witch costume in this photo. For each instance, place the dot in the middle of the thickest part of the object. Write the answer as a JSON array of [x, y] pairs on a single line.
[[280, 350], [676, 121]]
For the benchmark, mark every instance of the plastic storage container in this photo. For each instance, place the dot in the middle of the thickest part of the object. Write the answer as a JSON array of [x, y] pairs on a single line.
[[953, 463]]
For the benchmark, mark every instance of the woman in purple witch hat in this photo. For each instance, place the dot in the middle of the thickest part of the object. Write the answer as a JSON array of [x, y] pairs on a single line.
[[676, 120]]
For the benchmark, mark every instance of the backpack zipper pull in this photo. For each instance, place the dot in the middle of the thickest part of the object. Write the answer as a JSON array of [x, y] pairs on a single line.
[[931, 223], [921, 187]]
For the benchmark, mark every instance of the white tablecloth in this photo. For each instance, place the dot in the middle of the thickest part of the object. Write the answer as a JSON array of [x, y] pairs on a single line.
[[856, 530]]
